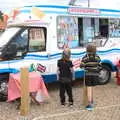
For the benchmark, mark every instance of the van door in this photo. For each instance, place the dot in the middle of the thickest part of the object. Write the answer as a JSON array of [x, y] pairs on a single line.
[[30, 46], [17, 48]]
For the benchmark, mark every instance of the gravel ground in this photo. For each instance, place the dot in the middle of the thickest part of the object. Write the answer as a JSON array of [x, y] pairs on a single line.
[[107, 105]]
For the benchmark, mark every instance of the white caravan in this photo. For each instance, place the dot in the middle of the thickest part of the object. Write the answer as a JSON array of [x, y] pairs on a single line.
[[37, 35]]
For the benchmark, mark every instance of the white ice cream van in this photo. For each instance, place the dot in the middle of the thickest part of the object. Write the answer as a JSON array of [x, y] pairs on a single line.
[[36, 35]]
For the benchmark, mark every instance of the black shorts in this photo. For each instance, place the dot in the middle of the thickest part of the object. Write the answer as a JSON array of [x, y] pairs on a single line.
[[91, 80]]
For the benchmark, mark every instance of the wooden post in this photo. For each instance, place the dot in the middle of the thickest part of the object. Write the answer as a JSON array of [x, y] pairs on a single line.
[[24, 109], [85, 98]]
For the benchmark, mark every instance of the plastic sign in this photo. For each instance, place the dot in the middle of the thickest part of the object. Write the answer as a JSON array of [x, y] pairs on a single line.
[[76, 10]]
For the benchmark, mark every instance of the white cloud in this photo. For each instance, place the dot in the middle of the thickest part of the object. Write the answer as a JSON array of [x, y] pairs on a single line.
[[9, 4], [112, 4], [108, 4]]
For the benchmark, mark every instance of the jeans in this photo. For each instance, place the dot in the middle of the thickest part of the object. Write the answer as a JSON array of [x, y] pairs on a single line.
[[66, 87]]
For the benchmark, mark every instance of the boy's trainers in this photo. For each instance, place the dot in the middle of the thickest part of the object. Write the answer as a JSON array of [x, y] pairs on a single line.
[[70, 104], [90, 107], [92, 103], [63, 104]]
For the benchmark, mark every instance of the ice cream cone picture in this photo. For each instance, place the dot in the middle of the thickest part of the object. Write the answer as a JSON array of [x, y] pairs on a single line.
[[5, 17], [37, 12], [15, 13]]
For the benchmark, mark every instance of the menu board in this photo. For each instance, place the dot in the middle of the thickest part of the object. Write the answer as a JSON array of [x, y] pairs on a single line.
[[67, 31]]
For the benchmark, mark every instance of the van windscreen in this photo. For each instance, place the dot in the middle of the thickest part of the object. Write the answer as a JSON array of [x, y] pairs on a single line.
[[7, 35]]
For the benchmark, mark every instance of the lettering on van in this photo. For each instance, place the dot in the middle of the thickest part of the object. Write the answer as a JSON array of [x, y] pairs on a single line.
[[83, 11]]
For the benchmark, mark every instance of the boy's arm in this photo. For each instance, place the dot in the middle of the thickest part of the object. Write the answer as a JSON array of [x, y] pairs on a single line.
[[98, 58], [100, 63], [73, 73], [58, 72], [82, 64]]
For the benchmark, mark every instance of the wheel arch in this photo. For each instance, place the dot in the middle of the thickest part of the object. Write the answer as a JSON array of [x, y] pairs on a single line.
[[109, 64], [106, 64]]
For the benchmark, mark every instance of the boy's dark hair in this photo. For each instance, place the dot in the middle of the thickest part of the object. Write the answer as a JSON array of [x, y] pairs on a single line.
[[91, 48]]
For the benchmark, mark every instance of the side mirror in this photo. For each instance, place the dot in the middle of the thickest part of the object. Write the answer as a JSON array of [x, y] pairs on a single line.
[[9, 51]]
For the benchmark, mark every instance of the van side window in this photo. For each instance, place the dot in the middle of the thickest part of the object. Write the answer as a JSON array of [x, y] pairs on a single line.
[[74, 32], [37, 39]]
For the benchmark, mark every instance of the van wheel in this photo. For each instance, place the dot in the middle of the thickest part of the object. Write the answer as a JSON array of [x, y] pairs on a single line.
[[3, 91], [105, 75], [4, 86]]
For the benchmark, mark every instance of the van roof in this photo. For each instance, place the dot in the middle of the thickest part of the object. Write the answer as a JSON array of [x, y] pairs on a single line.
[[34, 23]]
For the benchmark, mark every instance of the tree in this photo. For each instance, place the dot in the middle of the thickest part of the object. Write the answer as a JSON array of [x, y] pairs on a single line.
[[1, 16]]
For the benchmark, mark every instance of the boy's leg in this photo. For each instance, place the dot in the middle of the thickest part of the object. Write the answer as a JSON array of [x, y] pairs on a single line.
[[69, 93], [90, 98], [90, 94], [89, 88], [62, 93], [85, 97]]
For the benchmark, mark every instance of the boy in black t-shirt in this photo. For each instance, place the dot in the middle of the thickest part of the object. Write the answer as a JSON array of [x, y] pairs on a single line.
[[65, 76]]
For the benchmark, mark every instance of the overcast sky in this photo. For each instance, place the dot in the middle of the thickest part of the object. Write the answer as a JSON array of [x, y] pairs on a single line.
[[112, 4]]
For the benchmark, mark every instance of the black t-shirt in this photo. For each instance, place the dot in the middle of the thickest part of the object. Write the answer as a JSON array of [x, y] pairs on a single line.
[[64, 68]]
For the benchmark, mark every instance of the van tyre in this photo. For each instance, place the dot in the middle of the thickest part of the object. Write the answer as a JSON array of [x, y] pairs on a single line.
[[4, 86], [105, 75], [3, 91]]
